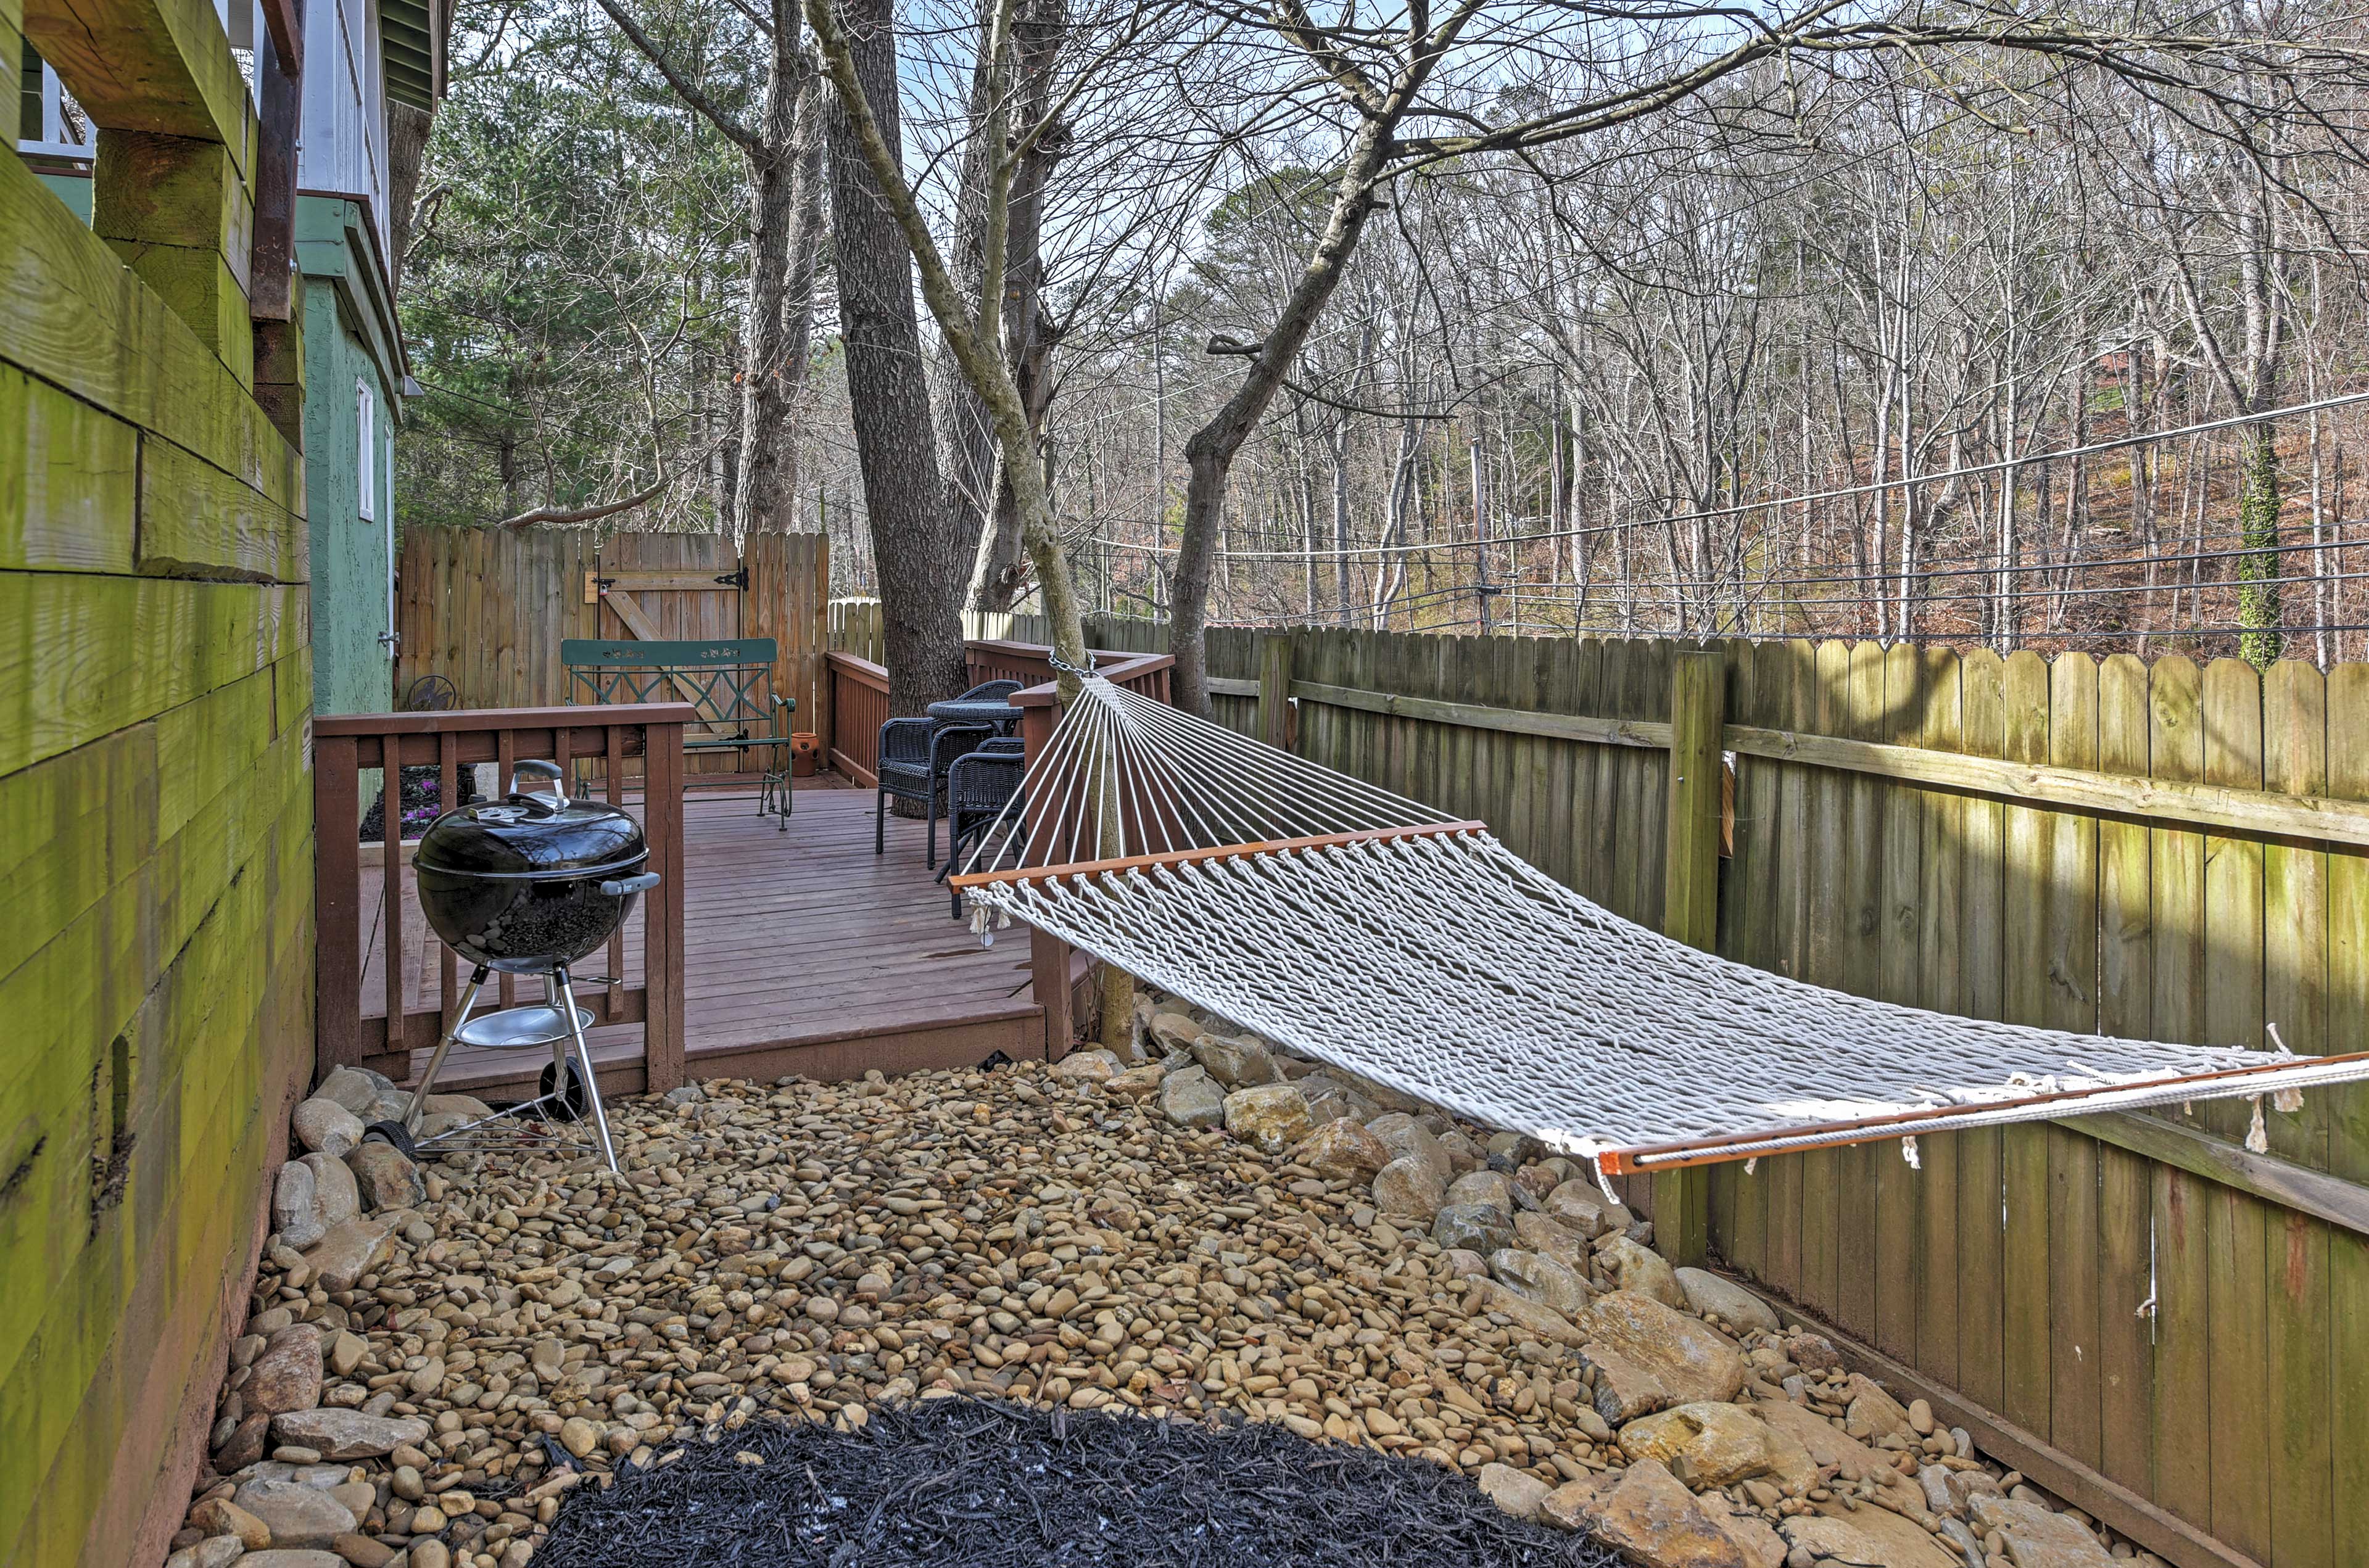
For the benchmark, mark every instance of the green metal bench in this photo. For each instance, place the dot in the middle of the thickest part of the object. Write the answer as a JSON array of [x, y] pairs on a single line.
[[730, 683]]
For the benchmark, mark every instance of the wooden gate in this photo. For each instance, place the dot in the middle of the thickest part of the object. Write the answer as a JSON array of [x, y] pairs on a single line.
[[488, 609]]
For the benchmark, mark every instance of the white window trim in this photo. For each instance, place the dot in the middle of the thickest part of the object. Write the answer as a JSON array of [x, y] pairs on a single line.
[[366, 451]]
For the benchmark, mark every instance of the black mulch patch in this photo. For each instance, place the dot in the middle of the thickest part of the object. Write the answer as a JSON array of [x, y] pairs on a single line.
[[975, 1483]]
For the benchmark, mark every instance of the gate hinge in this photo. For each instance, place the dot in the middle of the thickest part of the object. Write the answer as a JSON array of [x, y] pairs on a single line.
[[738, 579]]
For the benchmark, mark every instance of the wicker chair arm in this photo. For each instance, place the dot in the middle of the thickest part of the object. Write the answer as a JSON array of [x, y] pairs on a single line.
[[907, 739]]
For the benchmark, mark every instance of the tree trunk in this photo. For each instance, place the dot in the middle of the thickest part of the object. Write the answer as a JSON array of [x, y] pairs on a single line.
[[764, 495], [918, 546], [2257, 528]]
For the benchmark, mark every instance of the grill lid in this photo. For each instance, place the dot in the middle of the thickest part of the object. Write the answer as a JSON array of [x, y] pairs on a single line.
[[535, 836]]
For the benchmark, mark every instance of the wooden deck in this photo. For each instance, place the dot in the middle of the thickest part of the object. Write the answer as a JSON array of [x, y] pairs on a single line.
[[803, 953]]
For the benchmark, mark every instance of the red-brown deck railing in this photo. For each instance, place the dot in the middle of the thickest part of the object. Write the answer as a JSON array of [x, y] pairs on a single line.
[[859, 707], [345, 745]]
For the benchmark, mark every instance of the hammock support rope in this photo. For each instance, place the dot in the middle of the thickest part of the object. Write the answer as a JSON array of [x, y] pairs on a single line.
[[1369, 930]]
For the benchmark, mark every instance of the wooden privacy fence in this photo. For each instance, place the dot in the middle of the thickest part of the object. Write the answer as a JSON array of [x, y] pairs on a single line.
[[488, 609], [2168, 1329], [367, 916]]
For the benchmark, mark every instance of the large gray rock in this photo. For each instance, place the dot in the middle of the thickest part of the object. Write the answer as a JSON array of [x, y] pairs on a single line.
[[298, 1515], [1489, 1189], [1648, 1357], [324, 1127], [1190, 1097], [1540, 1279], [1552, 1238], [1409, 1185], [1582, 1205], [1406, 1137], [349, 1251], [347, 1434], [2037, 1538], [357, 1091], [1640, 1269], [1235, 1063], [287, 1376], [312, 1196], [279, 1557], [1474, 1226], [1516, 1491], [385, 1177], [1710, 1296]]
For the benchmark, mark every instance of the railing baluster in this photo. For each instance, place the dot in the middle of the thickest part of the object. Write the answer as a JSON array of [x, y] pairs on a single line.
[[448, 795], [613, 790]]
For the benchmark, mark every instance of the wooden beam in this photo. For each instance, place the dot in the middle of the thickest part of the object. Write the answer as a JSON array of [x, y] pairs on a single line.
[[1229, 686], [2240, 810], [163, 66], [2253, 812], [2109, 1502], [1646, 733], [2265, 1176], [1048, 978]]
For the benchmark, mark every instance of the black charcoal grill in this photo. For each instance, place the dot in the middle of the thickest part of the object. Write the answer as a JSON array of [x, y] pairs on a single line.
[[529, 885]]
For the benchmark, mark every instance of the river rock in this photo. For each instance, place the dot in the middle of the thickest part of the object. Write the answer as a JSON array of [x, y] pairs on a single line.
[[297, 1514], [1582, 1205], [1517, 1491], [1540, 1279], [215, 1551], [1535, 1320], [1270, 1118], [324, 1127], [1087, 1067], [348, 1433], [1138, 1082], [2037, 1538], [1871, 1413], [1488, 1188], [347, 1250], [1342, 1150], [1761, 1546], [1475, 1227], [1649, 1357], [1550, 1237], [1409, 1185], [1703, 1444], [279, 1558], [386, 1177], [221, 1515], [1824, 1442], [245, 1445], [287, 1376], [1640, 1270], [312, 1195], [1710, 1296], [1403, 1136], [1235, 1063], [352, 1089], [1870, 1534], [1646, 1515], [1190, 1097], [1174, 1031]]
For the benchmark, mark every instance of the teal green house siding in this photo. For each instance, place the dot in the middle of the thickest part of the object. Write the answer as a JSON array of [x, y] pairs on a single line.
[[353, 371]]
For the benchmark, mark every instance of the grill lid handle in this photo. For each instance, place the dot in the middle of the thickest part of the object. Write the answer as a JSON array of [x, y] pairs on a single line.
[[548, 771], [625, 884]]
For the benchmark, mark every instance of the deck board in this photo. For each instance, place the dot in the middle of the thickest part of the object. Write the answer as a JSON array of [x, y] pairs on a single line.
[[803, 953]]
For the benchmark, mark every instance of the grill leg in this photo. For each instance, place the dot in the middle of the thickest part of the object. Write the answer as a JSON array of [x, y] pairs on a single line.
[[584, 1059], [436, 1062]]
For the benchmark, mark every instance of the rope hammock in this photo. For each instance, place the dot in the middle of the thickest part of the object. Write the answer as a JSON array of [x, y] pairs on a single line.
[[1366, 930]]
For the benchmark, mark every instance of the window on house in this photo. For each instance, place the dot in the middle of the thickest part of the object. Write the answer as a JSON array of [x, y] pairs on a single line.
[[366, 451]]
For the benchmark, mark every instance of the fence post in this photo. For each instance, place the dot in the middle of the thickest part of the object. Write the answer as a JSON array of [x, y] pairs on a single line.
[[1691, 899], [1275, 690]]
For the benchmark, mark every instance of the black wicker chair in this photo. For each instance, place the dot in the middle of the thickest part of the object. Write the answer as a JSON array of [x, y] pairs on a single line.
[[914, 756], [980, 784]]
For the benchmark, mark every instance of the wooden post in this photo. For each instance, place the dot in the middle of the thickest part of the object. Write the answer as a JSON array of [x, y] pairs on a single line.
[[1275, 690], [662, 953], [1691, 900], [336, 905], [1049, 975]]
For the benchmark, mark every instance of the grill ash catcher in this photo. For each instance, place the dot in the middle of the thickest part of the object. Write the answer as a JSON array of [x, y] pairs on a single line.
[[528, 886]]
